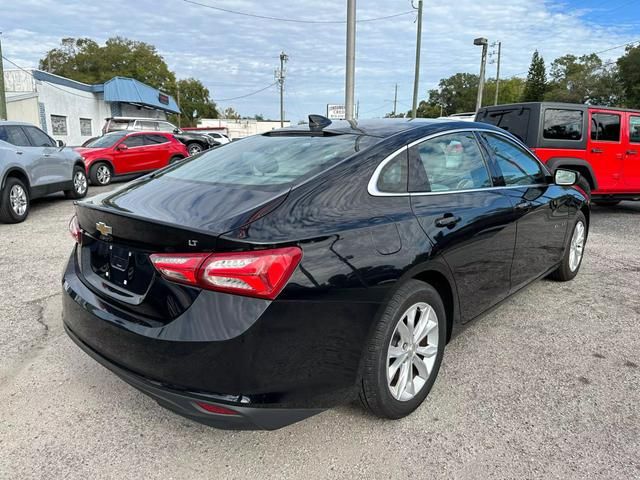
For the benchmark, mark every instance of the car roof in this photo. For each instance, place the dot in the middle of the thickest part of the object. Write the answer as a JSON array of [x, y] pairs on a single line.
[[574, 106], [387, 127], [138, 118], [13, 122]]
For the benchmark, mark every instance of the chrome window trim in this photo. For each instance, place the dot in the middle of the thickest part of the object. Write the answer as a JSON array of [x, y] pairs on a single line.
[[372, 186]]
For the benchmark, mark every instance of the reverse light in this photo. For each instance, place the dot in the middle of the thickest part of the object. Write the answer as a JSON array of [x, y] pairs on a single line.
[[75, 230], [260, 273]]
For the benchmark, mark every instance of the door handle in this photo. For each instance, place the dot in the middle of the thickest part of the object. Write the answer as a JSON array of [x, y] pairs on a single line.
[[596, 150], [47, 155], [523, 206], [447, 221], [632, 152], [19, 152]]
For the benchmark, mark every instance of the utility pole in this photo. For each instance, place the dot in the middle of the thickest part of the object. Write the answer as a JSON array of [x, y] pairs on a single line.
[[351, 60], [499, 45], [395, 100], [280, 74], [178, 100], [416, 79], [3, 100], [483, 63]]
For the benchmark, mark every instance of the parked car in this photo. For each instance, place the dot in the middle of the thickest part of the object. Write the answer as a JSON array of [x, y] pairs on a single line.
[[32, 165], [126, 154], [601, 143], [216, 134], [195, 142], [262, 282], [463, 117]]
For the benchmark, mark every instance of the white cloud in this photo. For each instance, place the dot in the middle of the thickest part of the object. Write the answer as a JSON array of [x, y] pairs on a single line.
[[234, 55]]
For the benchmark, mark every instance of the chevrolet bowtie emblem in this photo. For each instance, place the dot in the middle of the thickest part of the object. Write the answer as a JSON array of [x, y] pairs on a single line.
[[103, 228]]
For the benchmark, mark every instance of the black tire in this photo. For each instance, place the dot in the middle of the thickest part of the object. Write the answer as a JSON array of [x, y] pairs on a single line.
[[80, 187], [7, 212], [585, 186], [97, 179], [606, 203], [175, 159], [564, 273], [194, 148], [375, 392]]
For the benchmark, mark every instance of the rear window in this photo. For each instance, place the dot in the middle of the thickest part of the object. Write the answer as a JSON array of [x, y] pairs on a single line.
[[562, 124], [515, 121], [270, 160]]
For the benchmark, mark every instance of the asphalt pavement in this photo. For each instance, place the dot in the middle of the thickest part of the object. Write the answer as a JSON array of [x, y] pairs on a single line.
[[545, 386]]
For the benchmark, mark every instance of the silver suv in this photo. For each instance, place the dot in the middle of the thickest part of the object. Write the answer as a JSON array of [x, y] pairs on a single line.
[[33, 165]]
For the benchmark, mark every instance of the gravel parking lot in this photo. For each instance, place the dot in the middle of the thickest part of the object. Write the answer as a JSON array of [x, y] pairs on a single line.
[[547, 386]]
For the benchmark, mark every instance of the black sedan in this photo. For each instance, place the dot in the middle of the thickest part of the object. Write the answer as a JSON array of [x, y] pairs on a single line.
[[256, 285]]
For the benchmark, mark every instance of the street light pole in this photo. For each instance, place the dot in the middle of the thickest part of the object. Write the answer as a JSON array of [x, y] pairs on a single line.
[[498, 74], [416, 78], [280, 75], [3, 100], [351, 60], [483, 63]]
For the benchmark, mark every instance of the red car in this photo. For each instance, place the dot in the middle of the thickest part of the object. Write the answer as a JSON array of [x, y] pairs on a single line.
[[121, 154], [601, 143]]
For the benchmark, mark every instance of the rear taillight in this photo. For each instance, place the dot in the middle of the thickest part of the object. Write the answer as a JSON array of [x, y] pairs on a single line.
[[260, 273], [75, 230], [217, 409]]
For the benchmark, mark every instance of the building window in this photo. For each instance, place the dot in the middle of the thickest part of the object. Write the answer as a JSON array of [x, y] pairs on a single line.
[[85, 127], [58, 125]]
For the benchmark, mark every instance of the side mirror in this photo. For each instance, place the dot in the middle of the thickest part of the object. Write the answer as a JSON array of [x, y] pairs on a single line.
[[60, 144], [122, 147], [565, 178], [176, 130]]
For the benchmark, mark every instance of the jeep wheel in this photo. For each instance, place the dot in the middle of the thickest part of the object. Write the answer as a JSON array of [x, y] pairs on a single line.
[[14, 201]]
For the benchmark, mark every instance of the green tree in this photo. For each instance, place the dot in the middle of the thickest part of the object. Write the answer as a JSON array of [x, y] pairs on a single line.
[[194, 96], [230, 114], [536, 84], [584, 79], [629, 76], [84, 60]]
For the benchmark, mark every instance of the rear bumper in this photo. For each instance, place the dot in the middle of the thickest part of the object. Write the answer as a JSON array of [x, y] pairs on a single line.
[[272, 362], [185, 403]]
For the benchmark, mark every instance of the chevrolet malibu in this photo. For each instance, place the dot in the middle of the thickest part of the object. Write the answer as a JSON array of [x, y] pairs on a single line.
[[258, 284]]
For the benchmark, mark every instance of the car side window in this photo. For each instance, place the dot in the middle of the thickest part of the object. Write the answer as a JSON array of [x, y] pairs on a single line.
[[165, 127], [155, 139], [14, 135], [634, 129], [453, 162], [134, 141], [393, 176], [145, 125], [605, 127], [517, 165], [39, 138]]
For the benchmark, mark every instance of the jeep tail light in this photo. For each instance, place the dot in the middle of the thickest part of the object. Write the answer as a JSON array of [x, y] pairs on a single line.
[[75, 230], [260, 273]]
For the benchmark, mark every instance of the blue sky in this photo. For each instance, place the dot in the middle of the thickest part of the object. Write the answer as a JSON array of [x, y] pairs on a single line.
[[235, 55]]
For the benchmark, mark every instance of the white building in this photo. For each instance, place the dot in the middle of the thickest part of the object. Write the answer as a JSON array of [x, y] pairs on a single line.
[[242, 127], [73, 111]]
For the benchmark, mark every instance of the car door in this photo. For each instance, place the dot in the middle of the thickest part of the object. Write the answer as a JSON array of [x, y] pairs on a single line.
[[54, 166], [131, 155], [540, 208], [468, 221], [157, 151], [631, 166], [605, 151]]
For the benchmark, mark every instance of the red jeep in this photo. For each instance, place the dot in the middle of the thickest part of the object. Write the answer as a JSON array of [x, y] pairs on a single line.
[[603, 144]]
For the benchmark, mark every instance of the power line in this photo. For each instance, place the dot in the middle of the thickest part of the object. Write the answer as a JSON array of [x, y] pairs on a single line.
[[247, 95], [293, 20]]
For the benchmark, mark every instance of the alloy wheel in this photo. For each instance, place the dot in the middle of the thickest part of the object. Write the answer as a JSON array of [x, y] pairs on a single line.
[[103, 174], [412, 351], [576, 247], [80, 183], [194, 148], [18, 200]]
